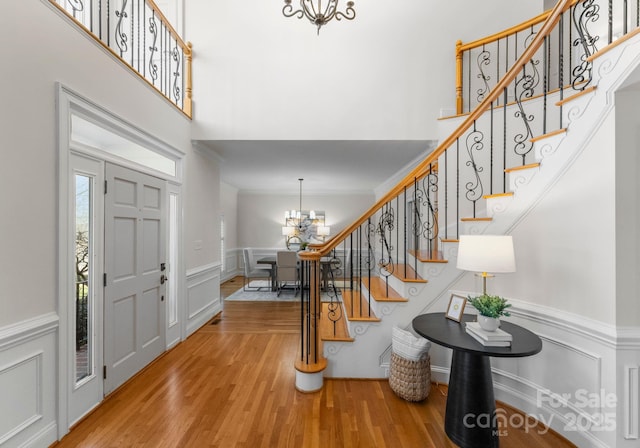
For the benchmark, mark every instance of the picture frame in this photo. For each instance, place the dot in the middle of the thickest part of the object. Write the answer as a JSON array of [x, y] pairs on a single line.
[[456, 307]]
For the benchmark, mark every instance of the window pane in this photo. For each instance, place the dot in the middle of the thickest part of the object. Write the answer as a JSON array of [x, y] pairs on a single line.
[[83, 290], [87, 133]]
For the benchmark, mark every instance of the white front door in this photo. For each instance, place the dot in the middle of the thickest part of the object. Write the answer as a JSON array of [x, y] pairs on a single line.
[[134, 305]]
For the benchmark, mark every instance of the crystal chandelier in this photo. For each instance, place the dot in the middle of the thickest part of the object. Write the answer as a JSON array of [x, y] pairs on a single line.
[[303, 226], [313, 10]]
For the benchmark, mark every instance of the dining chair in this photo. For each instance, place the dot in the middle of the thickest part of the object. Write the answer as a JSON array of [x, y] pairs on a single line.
[[288, 272], [251, 272]]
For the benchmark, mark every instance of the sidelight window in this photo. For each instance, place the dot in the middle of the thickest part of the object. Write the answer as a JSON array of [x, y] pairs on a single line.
[[83, 270]]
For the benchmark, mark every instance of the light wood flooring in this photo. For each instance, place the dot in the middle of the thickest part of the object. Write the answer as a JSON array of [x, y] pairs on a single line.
[[231, 384]]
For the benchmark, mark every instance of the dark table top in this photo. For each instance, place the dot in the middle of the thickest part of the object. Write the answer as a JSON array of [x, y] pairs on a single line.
[[451, 334]]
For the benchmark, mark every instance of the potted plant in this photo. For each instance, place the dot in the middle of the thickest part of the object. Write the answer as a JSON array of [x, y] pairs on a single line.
[[490, 309]]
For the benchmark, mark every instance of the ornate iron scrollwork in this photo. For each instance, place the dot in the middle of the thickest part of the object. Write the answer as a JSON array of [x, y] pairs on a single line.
[[177, 57], [76, 5], [475, 190], [581, 74], [525, 88], [153, 67], [121, 36], [430, 186], [369, 259], [483, 59], [386, 225]]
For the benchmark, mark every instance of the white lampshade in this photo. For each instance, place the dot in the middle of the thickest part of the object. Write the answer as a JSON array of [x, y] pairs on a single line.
[[323, 230], [486, 253]]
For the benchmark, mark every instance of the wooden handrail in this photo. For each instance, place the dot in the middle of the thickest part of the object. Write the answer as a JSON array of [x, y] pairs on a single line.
[[514, 29], [461, 48], [423, 167]]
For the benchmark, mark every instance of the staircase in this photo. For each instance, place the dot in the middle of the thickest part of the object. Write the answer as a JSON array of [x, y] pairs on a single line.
[[399, 259]]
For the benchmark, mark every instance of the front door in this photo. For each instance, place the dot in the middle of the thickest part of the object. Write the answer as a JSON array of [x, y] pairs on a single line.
[[134, 305]]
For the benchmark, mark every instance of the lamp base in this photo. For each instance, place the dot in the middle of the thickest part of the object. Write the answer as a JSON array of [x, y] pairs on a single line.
[[484, 276]]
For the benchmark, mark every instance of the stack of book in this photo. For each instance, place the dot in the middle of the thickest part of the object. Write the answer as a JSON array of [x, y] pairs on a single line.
[[498, 338]]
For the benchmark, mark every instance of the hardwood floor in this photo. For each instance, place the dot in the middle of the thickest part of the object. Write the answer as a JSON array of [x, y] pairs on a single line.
[[231, 384]]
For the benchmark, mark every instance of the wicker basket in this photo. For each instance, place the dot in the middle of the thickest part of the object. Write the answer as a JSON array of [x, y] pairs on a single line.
[[410, 380]]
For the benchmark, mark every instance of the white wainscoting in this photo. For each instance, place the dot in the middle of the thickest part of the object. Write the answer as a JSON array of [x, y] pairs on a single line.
[[567, 384], [232, 264], [28, 382], [203, 296]]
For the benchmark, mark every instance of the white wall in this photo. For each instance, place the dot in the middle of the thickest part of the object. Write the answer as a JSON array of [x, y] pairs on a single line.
[[229, 208], [627, 186], [36, 59], [261, 216], [565, 246], [202, 204], [383, 76]]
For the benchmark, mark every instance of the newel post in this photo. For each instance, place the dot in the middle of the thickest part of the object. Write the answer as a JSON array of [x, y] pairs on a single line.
[[310, 363], [188, 101]]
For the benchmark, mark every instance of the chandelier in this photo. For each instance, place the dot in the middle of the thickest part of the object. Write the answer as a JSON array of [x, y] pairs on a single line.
[[313, 10], [303, 226]]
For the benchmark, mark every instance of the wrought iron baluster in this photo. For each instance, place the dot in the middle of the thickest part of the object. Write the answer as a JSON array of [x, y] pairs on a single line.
[[545, 82], [177, 58], [385, 230], [446, 194], [121, 37], [474, 188], [610, 23], [469, 81], [491, 148], [131, 33], [561, 63], [504, 140], [498, 62], [370, 260], [625, 18], [457, 188], [430, 228], [581, 74], [153, 67], [483, 59], [527, 83]]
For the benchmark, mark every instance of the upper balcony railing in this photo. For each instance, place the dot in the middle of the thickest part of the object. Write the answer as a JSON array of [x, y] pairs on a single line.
[[591, 25], [139, 34]]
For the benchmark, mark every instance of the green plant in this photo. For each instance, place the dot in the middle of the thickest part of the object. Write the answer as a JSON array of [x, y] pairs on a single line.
[[490, 306]]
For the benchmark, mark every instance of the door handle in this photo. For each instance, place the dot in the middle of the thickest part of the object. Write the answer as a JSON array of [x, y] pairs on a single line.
[[163, 279]]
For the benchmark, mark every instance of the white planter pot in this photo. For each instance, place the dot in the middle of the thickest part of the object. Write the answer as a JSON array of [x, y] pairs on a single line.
[[488, 323]]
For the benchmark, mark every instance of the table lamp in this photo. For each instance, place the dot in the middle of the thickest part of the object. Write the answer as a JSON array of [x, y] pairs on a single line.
[[323, 231], [486, 254]]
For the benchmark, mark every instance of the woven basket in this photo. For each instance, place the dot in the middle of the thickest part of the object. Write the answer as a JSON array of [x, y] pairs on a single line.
[[410, 380]]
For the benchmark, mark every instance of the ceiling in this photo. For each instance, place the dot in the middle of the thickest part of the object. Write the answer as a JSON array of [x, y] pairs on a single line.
[[327, 166]]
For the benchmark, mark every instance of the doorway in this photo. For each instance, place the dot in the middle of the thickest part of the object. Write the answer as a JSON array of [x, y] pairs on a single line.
[[119, 201], [134, 277]]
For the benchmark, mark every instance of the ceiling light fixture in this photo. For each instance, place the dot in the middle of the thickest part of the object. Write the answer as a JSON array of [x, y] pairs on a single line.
[[319, 16]]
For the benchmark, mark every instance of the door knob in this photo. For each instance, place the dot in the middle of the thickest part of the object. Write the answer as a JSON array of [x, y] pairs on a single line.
[[163, 279]]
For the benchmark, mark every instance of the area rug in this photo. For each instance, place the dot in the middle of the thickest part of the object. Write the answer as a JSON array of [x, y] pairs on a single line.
[[265, 295]]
